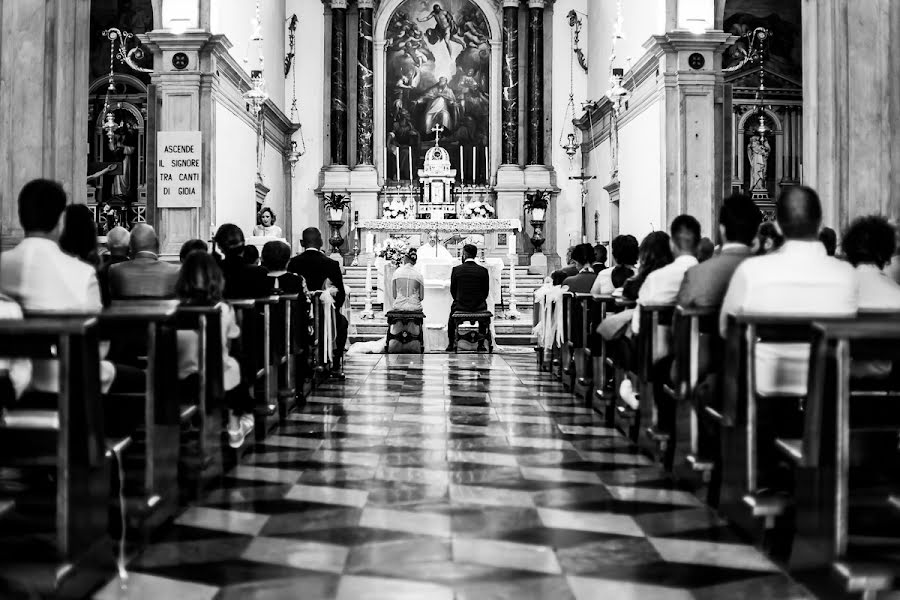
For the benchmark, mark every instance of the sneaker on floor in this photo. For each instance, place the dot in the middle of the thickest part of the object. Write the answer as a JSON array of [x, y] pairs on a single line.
[[237, 436], [626, 393]]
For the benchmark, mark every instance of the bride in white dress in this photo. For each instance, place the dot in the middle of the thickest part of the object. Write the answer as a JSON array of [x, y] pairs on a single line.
[[407, 284], [408, 289]]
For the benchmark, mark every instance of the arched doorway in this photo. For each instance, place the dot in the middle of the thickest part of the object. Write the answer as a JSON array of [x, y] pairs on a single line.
[[117, 156]]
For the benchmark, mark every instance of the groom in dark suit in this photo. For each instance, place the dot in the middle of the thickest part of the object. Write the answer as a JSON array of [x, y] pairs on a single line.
[[470, 285]]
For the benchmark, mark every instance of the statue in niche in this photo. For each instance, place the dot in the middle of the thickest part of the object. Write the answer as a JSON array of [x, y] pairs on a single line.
[[758, 151]]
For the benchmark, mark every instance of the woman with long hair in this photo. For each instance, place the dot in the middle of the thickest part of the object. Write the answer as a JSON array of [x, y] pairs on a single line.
[[655, 252], [201, 283], [79, 235]]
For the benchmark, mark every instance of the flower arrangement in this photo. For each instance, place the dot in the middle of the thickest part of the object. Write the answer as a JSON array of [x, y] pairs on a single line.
[[394, 250], [476, 209], [395, 209]]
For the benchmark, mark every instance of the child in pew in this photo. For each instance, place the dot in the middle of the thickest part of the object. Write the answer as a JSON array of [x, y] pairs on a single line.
[[201, 283]]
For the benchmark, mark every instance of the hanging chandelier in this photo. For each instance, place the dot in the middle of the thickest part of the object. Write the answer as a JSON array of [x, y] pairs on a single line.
[[571, 145], [297, 150], [762, 35], [257, 95]]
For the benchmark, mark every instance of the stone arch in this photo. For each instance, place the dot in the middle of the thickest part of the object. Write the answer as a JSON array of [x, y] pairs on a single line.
[[778, 128]]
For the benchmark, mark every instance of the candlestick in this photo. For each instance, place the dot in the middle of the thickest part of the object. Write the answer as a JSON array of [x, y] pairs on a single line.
[[487, 168], [513, 312], [368, 313], [384, 162]]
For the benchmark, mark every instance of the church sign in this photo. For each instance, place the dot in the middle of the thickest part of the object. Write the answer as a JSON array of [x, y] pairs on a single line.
[[179, 173]]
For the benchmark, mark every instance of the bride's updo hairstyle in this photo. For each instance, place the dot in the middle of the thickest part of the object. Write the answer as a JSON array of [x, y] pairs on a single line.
[[411, 256]]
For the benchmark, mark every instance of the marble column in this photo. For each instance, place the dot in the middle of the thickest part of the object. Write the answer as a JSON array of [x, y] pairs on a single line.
[[851, 105], [43, 101], [339, 82], [364, 85], [510, 82], [535, 82]]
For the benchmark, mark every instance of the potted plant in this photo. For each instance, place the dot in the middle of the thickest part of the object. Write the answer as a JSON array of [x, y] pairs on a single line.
[[536, 203], [336, 203]]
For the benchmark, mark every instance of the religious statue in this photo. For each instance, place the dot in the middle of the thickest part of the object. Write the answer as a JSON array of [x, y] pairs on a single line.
[[758, 154]]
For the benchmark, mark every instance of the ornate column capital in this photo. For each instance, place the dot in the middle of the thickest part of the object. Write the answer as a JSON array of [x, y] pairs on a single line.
[[362, 4], [539, 4], [338, 4], [512, 3]]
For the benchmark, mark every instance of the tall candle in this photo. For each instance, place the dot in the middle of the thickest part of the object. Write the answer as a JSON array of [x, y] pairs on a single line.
[[487, 168], [409, 148], [512, 283], [474, 164], [384, 163], [462, 166], [397, 157]]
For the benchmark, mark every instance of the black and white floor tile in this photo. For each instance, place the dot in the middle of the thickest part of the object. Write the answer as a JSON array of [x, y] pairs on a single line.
[[448, 477]]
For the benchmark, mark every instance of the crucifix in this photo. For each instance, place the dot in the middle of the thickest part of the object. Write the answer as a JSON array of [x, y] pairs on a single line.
[[438, 130], [583, 179]]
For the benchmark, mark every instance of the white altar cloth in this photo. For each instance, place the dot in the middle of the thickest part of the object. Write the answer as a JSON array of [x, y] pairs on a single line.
[[441, 226]]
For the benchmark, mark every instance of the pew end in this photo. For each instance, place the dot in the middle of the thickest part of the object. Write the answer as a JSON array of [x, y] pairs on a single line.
[[864, 578]]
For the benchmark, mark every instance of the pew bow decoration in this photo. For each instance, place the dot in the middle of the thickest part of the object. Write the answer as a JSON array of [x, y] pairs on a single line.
[[328, 325]]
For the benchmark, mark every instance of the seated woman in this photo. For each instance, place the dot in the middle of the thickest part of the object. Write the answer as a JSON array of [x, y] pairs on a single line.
[[275, 257], [265, 224], [407, 284], [201, 283], [625, 253]]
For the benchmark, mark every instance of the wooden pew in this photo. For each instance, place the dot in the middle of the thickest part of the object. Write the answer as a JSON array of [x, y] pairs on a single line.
[[154, 498], [694, 330], [643, 424], [840, 413], [571, 340], [285, 348], [582, 351], [741, 499], [66, 553], [596, 309], [196, 470], [253, 352]]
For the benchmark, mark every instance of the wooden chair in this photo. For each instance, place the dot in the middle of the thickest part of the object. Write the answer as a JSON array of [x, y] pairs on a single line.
[[66, 553], [474, 336], [405, 319]]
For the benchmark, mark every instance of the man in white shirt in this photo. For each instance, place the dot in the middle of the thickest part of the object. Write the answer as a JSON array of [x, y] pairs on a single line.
[[662, 285], [41, 277], [797, 280]]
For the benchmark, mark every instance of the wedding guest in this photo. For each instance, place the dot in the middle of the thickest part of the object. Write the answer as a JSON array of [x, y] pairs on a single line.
[[251, 255], [655, 252], [625, 254], [145, 275], [799, 279], [191, 245], [265, 224], [241, 279], [600, 258], [79, 235], [768, 239], [828, 237], [705, 249], [581, 282], [200, 282], [868, 245], [275, 256], [117, 241]]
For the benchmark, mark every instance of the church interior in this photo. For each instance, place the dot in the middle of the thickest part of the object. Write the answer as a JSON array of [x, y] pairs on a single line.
[[463, 299]]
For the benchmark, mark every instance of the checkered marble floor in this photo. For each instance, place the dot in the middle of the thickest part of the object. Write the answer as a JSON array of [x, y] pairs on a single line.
[[441, 477]]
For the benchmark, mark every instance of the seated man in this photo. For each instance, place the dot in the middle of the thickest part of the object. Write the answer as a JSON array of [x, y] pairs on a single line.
[[662, 285], [470, 284], [581, 282], [600, 257], [41, 277], [117, 241], [557, 277], [144, 276], [800, 279], [322, 273], [275, 256], [242, 280]]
